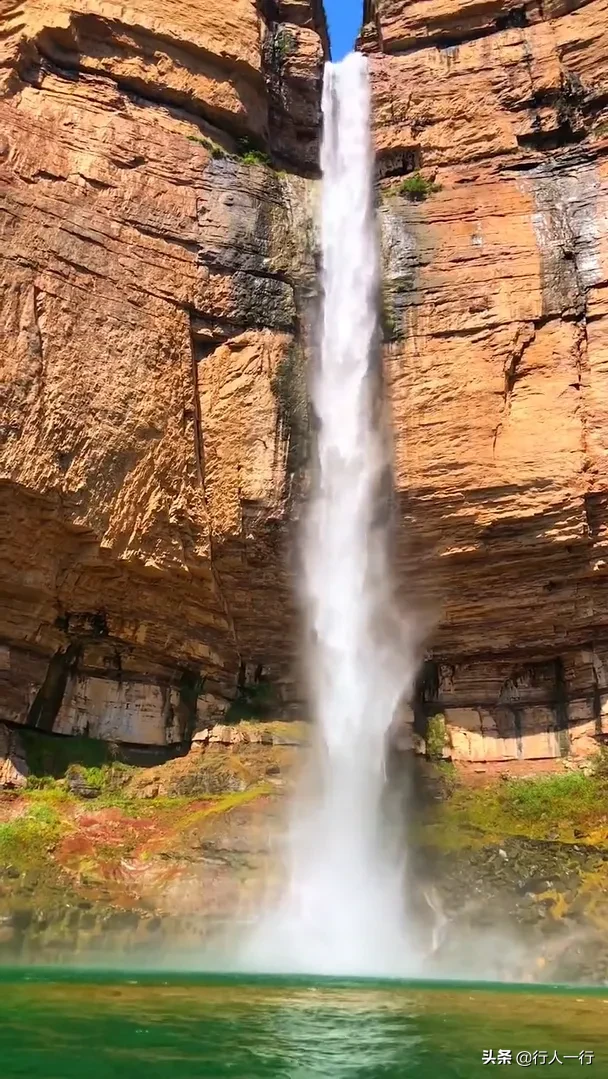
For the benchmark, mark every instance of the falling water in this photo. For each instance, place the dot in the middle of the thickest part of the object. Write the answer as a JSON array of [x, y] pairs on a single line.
[[343, 906]]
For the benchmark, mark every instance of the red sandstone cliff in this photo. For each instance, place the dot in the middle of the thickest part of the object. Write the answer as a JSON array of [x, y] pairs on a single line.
[[153, 269], [497, 293], [155, 280]]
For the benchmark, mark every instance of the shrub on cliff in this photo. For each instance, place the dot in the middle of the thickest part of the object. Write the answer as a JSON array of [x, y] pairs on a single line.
[[285, 44], [417, 188], [247, 153], [251, 155]]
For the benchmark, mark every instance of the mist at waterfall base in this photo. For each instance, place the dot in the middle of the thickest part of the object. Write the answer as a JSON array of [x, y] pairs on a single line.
[[342, 910]]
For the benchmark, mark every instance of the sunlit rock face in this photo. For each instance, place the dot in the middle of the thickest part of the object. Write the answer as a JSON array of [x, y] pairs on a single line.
[[154, 302], [496, 311], [154, 273]]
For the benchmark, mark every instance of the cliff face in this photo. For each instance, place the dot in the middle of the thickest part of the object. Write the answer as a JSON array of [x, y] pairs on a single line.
[[157, 270], [496, 311], [154, 268]]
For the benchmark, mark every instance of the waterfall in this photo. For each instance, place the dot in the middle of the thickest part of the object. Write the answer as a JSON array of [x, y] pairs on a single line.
[[343, 909]]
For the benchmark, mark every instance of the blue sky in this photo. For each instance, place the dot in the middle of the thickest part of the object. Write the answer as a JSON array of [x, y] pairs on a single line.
[[344, 18]]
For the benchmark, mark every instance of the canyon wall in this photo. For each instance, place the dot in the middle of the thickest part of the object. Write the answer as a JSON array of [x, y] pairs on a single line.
[[157, 274], [156, 268], [496, 319]]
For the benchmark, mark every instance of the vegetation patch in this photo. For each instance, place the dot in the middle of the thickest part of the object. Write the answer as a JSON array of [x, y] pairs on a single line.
[[569, 808], [436, 737], [285, 44], [256, 701], [247, 153], [417, 188], [70, 861], [252, 155], [224, 804], [282, 732], [107, 781], [216, 151], [27, 839], [49, 756]]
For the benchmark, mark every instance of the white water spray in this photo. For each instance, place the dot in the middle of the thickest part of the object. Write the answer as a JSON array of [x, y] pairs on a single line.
[[343, 910]]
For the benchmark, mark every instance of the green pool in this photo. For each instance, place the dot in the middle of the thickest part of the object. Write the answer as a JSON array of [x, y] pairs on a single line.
[[67, 1024]]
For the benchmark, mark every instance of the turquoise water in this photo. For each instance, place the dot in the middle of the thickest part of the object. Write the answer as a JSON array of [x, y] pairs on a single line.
[[63, 1025]]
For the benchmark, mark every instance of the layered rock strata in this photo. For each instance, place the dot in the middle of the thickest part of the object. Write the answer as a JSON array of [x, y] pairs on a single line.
[[157, 272], [156, 269], [491, 122]]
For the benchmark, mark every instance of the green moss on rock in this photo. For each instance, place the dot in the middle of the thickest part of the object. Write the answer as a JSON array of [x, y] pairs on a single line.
[[570, 807], [27, 839], [217, 152], [436, 737], [49, 756]]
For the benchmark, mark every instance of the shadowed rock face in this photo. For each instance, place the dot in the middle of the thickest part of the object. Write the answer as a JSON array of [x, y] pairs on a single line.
[[155, 269], [496, 304], [158, 279]]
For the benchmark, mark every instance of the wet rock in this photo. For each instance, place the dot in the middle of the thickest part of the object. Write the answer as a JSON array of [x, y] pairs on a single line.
[[547, 889], [536, 885], [21, 918]]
